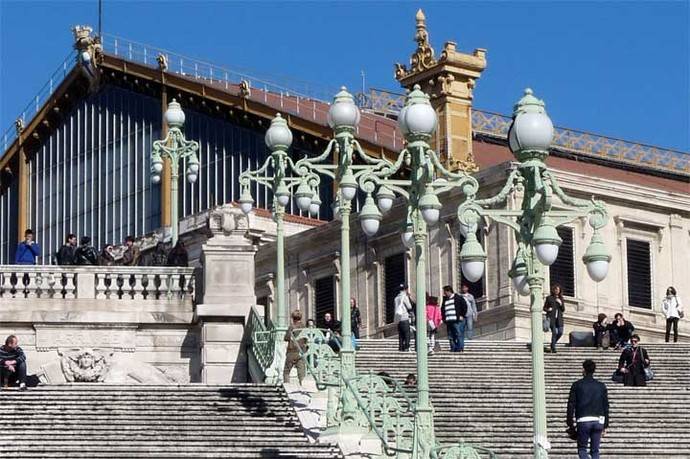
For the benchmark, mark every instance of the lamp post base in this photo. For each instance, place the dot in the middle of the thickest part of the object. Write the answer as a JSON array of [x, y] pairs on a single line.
[[274, 373]]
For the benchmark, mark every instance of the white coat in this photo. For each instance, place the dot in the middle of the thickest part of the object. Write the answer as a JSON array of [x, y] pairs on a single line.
[[671, 306]]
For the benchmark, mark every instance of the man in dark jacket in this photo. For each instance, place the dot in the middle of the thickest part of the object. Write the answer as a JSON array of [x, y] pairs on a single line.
[[85, 254], [66, 254], [588, 409], [333, 334], [27, 250], [12, 363], [454, 312]]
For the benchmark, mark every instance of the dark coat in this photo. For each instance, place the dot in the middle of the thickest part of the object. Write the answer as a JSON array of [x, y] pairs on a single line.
[[460, 308], [356, 318], [634, 361], [588, 397], [11, 354], [178, 257], [554, 310], [66, 255], [85, 255], [623, 332]]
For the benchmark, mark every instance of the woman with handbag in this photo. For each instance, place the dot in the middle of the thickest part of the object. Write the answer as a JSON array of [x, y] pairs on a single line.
[[673, 310], [554, 307], [433, 319], [633, 362]]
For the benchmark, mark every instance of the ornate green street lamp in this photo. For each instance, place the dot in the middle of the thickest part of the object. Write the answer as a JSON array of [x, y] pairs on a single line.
[[417, 121], [278, 140], [534, 225], [175, 147]]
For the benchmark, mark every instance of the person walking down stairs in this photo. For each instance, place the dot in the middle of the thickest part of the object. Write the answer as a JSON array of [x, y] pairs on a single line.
[[293, 357], [454, 312], [673, 310], [588, 411], [471, 311], [632, 363], [554, 306]]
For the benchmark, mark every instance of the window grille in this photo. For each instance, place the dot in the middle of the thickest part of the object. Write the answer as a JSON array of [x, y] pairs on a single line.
[[393, 276], [639, 273], [562, 271], [324, 298]]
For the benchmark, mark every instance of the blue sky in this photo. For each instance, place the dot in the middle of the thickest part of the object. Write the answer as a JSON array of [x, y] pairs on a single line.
[[614, 68]]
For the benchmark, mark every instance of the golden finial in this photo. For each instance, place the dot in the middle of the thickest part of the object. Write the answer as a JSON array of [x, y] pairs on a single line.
[[423, 57]]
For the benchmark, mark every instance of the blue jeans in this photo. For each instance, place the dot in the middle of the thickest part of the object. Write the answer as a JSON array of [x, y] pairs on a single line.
[[469, 328], [556, 333], [589, 432], [456, 335]]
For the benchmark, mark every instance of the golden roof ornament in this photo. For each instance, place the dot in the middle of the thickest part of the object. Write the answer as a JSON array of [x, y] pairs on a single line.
[[423, 57]]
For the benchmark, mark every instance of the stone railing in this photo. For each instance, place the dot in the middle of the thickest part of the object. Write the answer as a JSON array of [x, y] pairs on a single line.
[[166, 284]]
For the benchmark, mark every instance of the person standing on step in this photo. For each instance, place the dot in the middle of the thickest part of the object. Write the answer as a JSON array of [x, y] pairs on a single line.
[[65, 256], [453, 312], [588, 411], [356, 321], [673, 310], [403, 307], [471, 311], [554, 306], [433, 321], [12, 363], [27, 250], [86, 254], [621, 331], [632, 363], [293, 357]]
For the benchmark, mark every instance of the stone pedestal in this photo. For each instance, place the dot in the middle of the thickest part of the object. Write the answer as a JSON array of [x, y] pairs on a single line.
[[228, 260]]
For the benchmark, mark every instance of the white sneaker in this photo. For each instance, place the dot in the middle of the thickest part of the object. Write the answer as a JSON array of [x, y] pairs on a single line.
[[22, 386]]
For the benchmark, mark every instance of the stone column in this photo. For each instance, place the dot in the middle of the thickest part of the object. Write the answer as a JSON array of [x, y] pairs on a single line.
[[228, 263]]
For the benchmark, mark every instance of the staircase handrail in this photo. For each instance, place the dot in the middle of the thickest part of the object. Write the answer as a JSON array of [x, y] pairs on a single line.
[[262, 333], [462, 450], [321, 362]]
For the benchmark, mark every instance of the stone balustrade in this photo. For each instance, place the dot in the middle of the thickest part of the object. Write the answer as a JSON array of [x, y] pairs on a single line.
[[161, 283]]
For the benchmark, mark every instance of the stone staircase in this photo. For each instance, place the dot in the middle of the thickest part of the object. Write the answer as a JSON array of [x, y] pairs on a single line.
[[484, 396], [98, 421]]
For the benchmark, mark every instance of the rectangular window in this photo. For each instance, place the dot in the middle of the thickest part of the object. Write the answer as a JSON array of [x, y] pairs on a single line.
[[476, 288], [393, 277], [562, 271], [639, 273], [324, 298]]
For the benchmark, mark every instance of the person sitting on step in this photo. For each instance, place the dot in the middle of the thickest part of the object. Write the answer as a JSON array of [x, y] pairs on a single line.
[[333, 331], [12, 364], [621, 331], [601, 332]]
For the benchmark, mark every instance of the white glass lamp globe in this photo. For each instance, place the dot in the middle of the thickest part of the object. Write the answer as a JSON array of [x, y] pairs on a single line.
[[315, 205], [473, 270], [407, 238], [532, 128], [278, 136], [174, 116], [598, 270], [246, 201], [348, 186], [520, 284], [303, 196], [192, 177], [472, 258], [193, 167], [283, 199], [370, 217], [304, 202], [546, 242], [418, 116], [343, 113], [384, 199], [155, 178], [430, 207], [157, 166]]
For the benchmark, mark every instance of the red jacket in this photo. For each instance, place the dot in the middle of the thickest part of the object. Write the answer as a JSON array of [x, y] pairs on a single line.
[[433, 312]]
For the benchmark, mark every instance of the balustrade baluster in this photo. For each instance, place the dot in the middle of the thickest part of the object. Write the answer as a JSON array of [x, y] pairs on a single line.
[[138, 288], [7, 286], [70, 288], [31, 288], [101, 286], [163, 287], [174, 285]]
